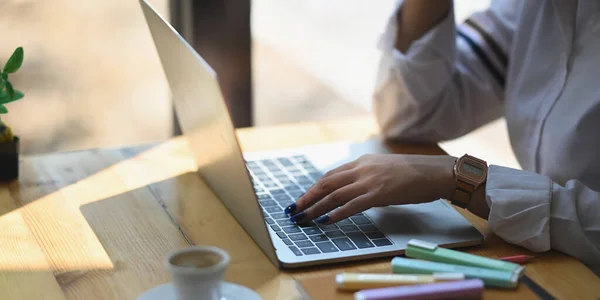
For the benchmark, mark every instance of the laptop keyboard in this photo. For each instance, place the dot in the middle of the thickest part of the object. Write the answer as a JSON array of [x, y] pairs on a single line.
[[279, 182]]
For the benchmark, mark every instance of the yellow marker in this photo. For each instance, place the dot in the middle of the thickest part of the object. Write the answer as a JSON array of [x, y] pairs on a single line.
[[360, 281]]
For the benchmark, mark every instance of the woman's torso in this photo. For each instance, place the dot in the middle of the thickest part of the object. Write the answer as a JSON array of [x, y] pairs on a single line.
[[553, 90]]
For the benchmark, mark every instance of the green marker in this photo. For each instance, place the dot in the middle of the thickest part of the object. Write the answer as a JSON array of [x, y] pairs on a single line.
[[428, 251], [494, 278]]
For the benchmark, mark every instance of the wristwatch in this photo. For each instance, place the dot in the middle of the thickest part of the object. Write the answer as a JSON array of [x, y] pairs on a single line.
[[469, 173]]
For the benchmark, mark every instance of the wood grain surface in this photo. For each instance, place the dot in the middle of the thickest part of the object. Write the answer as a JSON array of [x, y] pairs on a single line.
[[97, 224]]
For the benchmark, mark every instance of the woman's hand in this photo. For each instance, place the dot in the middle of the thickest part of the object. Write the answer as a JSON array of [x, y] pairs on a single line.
[[374, 181]]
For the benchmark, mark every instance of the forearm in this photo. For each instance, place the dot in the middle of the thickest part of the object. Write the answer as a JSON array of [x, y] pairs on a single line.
[[417, 17]]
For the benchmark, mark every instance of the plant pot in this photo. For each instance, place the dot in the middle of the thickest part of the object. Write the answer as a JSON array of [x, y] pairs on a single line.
[[9, 160]]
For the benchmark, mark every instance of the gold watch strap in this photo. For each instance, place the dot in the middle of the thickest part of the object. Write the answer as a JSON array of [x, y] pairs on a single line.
[[462, 194]]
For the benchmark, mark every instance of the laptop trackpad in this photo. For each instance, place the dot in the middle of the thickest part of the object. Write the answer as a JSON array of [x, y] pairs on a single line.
[[437, 222]]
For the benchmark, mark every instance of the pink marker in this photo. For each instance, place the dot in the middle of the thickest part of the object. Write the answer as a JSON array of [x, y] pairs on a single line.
[[472, 288], [518, 259]]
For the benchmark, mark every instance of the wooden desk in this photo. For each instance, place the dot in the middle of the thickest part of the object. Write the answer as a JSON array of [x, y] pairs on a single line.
[[97, 224]]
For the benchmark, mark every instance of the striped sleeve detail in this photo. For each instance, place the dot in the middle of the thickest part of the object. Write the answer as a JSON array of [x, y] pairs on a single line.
[[485, 48]]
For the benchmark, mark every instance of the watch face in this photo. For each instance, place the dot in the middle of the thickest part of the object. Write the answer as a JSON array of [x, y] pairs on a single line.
[[472, 170]]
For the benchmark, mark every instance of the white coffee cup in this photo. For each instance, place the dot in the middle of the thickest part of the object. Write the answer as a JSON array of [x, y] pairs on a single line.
[[197, 272]]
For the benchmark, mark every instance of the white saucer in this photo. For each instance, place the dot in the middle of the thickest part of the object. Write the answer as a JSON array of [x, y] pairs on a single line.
[[231, 291]]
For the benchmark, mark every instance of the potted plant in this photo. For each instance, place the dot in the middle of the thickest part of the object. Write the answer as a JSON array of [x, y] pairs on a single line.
[[9, 144]]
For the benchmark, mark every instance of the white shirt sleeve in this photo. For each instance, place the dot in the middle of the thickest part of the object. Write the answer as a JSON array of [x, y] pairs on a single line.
[[449, 82], [530, 210], [440, 89]]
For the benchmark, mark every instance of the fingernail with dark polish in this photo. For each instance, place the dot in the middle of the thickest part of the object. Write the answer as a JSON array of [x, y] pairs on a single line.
[[323, 219], [297, 218], [290, 209]]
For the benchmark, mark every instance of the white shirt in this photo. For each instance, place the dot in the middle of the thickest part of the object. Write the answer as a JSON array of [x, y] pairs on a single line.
[[537, 63]]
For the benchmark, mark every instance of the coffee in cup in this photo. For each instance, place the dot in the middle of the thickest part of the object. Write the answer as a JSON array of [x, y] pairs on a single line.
[[197, 272]]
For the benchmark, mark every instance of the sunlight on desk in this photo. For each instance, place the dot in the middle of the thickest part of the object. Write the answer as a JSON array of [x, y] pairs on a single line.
[[50, 233], [97, 224], [59, 207]]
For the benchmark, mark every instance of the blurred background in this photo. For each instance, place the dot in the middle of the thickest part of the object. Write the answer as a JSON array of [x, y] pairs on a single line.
[[92, 77]]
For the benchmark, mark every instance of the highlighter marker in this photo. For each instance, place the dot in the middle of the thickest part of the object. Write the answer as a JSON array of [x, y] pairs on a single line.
[[428, 251], [465, 289], [495, 278], [518, 259], [360, 281]]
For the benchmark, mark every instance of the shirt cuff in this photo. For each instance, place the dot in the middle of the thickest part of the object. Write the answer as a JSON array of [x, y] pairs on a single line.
[[520, 208], [427, 65]]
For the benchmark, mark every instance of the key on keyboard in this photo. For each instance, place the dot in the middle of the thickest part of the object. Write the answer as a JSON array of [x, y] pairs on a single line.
[[319, 238], [326, 228], [312, 230], [285, 223], [298, 237], [264, 197], [291, 229], [285, 162], [304, 244], [286, 203], [326, 247], [270, 185], [266, 203], [309, 251], [282, 197], [315, 175], [375, 235], [360, 220], [277, 192], [334, 234], [367, 228], [307, 224], [279, 216], [273, 209], [296, 251], [382, 242], [296, 194], [348, 228], [360, 240], [344, 244], [344, 222]]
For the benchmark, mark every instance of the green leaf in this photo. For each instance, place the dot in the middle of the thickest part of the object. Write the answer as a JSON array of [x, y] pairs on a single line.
[[1, 84], [4, 97], [18, 95], [9, 90], [3, 109], [5, 76], [15, 61]]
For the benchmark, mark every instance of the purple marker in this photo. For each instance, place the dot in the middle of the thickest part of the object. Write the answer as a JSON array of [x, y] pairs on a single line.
[[472, 288]]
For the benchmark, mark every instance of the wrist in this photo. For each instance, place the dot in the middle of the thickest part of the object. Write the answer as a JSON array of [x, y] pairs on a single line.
[[478, 204], [470, 177], [446, 180]]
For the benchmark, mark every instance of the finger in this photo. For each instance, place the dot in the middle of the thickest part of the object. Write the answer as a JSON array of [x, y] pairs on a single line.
[[319, 190], [332, 201], [352, 207], [341, 168]]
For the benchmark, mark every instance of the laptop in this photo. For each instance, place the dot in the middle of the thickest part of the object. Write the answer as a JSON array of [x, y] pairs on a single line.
[[256, 187]]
